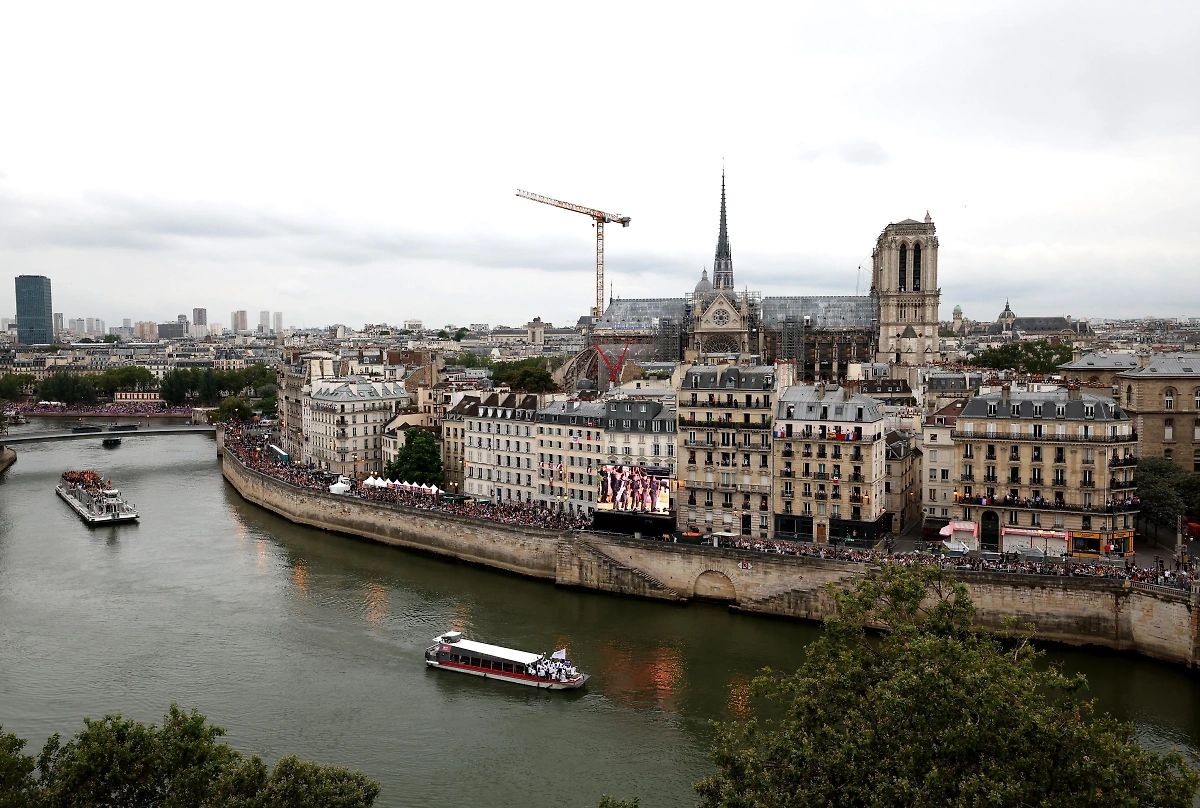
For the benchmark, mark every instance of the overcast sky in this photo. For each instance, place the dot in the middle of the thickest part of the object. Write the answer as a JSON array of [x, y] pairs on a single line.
[[349, 162]]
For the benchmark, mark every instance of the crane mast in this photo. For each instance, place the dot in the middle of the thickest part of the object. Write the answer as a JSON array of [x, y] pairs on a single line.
[[600, 218]]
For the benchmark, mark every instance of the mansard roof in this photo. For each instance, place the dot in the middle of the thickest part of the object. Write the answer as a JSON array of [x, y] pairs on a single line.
[[832, 311]]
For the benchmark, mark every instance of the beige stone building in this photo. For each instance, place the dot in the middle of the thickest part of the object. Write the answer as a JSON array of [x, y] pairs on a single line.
[[344, 419], [1049, 468], [939, 484], [829, 458], [725, 415], [902, 479], [570, 445], [1163, 398], [501, 447], [454, 442]]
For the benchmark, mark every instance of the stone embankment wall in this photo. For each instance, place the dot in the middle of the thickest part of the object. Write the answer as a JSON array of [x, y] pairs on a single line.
[[8, 456], [1154, 621]]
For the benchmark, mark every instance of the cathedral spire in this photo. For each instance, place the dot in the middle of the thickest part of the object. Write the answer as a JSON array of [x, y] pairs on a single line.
[[723, 263]]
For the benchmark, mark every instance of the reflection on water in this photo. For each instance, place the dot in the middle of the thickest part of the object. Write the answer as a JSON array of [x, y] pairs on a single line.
[[301, 641]]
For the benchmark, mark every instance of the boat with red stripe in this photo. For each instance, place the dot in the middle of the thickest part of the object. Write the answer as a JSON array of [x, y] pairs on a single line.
[[451, 652]]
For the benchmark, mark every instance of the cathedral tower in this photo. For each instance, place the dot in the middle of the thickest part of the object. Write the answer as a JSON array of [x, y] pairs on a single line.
[[904, 279], [723, 263]]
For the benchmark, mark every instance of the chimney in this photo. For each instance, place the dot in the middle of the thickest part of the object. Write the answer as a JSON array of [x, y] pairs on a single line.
[[1076, 354], [1144, 359], [820, 390], [1005, 389], [1073, 391]]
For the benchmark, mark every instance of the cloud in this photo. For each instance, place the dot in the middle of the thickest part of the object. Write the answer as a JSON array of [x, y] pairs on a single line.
[[855, 152]]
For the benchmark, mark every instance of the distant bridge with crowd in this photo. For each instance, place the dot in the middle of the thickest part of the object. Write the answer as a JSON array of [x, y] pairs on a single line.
[[140, 432]]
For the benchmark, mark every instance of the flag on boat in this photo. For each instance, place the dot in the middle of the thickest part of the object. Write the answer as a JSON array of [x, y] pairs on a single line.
[[561, 653]]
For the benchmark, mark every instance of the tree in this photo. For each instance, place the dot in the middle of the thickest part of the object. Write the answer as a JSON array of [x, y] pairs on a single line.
[[418, 460], [234, 409], [1036, 356], [69, 388], [1166, 491], [934, 712], [173, 389], [529, 375], [111, 338], [14, 385], [460, 333], [182, 764], [443, 334]]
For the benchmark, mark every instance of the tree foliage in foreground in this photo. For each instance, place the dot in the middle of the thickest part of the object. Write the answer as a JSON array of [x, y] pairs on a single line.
[[182, 764], [933, 712]]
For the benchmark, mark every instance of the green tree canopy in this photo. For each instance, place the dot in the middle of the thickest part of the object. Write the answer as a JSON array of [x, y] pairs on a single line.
[[182, 764], [14, 385], [1167, 491], [418, 460], [460, 333], [933, 712], [1036, 356], [234, 409], [529, 375], [69, 388]]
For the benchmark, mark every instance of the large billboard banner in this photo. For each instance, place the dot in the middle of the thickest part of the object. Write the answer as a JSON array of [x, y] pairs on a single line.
[[636, 489]]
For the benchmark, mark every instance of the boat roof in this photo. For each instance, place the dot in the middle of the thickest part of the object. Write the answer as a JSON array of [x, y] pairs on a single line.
[[522, 657]]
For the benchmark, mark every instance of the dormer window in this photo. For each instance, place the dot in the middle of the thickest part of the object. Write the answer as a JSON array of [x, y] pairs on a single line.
[[1089, 411], [1037, 410], [991, 408], [1015, 409], [1060, 411]]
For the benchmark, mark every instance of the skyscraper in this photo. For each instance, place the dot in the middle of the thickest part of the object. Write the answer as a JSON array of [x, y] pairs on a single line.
[[126, 323], [35, 314], [239, 321], [58, 323], [277, 324], [199, 316], [264, 321]]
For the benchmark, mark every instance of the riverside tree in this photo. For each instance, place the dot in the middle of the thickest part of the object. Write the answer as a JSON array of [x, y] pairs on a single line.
[[182, 764], [417, 461], [932, 712]]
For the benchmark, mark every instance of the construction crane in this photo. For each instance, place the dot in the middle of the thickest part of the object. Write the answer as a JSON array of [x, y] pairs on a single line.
[[600, 218]]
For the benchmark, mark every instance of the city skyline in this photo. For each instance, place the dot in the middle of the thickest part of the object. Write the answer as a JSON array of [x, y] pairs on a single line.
[[1044, 145]]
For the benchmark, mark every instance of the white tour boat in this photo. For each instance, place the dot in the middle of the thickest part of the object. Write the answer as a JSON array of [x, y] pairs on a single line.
[[96, 502], [452, 652]]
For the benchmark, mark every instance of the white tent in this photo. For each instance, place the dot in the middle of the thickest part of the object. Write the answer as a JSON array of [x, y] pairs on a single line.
[[339, 488], [433, 489]]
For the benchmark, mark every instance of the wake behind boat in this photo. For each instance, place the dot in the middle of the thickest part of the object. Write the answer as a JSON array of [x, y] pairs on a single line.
[[452, 652], [97, 502]]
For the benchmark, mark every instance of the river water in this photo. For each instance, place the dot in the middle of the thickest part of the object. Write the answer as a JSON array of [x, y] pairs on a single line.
[[299, 641]]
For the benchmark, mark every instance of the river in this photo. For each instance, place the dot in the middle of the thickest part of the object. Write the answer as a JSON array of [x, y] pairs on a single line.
[[299, 641]]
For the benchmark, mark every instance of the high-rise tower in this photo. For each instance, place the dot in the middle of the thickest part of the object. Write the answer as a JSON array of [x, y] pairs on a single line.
[[723, 263], [35, 316]]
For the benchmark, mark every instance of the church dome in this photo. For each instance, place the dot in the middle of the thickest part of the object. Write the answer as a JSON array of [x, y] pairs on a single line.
[[958, 309], [705, 285]]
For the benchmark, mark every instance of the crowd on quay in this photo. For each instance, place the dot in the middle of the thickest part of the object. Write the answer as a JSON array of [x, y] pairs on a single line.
[[252, 450], [1181, 577], [112, 408]]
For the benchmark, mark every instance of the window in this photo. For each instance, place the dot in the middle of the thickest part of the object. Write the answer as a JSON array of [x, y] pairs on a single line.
[[903, 277], [933, 455], [916, 271], [1169, 429], [1169, 398], [1168, 454]]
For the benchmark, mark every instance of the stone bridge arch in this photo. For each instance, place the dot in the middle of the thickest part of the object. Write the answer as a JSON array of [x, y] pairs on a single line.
[[714, 585]]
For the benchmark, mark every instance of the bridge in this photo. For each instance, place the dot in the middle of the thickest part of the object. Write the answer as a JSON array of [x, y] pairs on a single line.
[[150, 431]]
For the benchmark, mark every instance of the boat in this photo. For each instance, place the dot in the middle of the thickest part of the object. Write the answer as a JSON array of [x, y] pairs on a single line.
[[86, 429], [16, 419], [96, 501], [122, 427], [451, 652], [111, 442]]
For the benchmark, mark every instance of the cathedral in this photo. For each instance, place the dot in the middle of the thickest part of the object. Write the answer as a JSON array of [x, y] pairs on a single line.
[[896, 322]]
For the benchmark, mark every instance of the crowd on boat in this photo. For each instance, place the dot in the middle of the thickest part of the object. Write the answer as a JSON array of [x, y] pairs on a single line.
[[558, 670], [253, 451], [88, 480], [113, 408], [1180, 577]]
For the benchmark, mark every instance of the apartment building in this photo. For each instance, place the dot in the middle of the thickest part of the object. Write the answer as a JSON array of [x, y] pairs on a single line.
[[454, 443], [501, 447], [1048, 468], [902, 479], [343, 421], [939, 484], [725, 417], [570, 450], [830, 455], [1163, 399]]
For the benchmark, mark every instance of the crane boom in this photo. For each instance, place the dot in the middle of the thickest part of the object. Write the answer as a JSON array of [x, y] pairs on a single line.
[[600, 218]]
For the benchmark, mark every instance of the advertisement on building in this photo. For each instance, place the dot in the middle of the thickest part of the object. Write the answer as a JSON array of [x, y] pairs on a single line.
[[634, 489]]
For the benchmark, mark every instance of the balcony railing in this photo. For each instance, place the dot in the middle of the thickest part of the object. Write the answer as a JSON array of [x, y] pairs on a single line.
[[706, 444], [788, 453], [1087, 483], [856, 499], [822, 495], [787, 493], [1115, 483], [967, 478], [1014, 480], [1008, 437], [991, 478], [1122, 461], [787, 473], [1042, 504], [820, 475], [687, 424], [727, 405]]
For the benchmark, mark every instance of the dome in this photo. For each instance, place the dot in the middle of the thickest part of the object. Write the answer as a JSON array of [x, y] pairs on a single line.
[[958, 309], [705, 285]]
